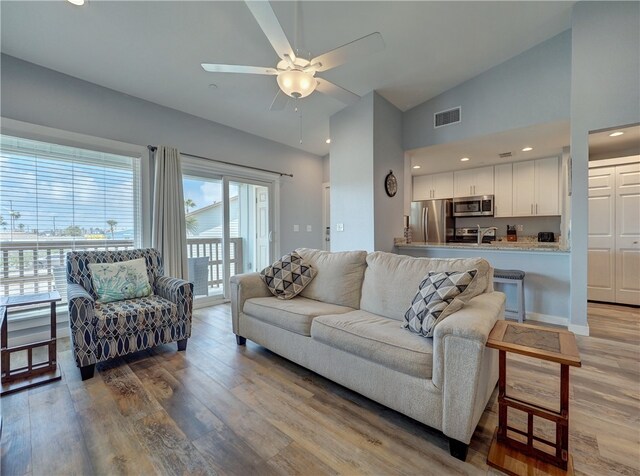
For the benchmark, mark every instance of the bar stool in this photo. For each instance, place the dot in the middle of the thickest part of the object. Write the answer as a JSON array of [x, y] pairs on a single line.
[[512, 276]]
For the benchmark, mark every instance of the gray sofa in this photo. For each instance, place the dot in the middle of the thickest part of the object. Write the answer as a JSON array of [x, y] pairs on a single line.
[[346, 326]]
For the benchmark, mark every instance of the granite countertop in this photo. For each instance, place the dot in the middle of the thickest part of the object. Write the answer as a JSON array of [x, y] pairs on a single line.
[[493, 246]]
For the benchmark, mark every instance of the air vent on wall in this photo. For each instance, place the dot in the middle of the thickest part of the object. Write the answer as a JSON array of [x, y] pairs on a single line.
[[444, 118], [504, 155]]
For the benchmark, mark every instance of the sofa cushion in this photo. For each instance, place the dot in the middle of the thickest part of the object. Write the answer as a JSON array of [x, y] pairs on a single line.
[[378, 339], [391, 281], [288, 276], [339, 278], [294, 315], [436, 299], [133, 316]]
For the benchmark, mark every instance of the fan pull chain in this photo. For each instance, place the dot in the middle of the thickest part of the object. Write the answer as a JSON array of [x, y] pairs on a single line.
[[299, 111]]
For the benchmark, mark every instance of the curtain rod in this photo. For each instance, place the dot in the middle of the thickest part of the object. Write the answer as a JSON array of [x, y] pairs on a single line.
[[282, 174]]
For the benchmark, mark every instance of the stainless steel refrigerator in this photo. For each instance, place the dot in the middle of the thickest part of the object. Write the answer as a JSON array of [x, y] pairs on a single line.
[[431, 221]]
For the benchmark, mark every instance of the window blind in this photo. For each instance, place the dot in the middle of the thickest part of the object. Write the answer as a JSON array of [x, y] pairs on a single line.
[[55, 198]]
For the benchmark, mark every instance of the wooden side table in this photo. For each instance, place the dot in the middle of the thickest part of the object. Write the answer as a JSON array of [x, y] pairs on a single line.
[[515, 456], [32, 374]]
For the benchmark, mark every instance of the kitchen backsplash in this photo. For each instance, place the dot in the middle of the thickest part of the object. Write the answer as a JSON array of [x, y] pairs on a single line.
[[531, 225]]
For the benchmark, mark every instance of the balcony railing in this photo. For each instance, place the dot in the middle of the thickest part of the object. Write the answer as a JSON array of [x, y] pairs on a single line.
[[33, 267]]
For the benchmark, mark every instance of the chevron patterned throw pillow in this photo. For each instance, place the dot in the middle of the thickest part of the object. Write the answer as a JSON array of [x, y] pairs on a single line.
[[288, 276], [436, 299]]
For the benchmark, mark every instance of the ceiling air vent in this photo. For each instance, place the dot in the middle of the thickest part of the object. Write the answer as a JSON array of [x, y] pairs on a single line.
[[504, 155], [444, 118]]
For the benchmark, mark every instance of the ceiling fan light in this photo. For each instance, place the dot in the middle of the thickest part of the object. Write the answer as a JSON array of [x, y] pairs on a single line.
[[297, 84]]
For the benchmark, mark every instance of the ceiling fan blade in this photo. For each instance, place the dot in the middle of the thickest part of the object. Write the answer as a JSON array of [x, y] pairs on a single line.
[[335, 91], [356, 49], [279, 102], [266, 18], [237, 68]]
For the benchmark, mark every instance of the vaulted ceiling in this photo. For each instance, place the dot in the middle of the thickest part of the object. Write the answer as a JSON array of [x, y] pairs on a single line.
[[153, 50]]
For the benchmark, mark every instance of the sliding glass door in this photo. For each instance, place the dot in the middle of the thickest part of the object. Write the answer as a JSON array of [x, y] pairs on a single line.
[[204, 217], [229, 222], [250, 218]]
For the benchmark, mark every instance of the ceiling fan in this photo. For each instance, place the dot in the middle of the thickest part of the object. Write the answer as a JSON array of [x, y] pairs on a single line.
[[296, 76]]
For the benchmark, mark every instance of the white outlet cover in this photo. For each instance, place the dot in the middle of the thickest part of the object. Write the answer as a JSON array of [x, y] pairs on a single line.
[[296, 227], [520, 227], [339, 226], [308, 227]]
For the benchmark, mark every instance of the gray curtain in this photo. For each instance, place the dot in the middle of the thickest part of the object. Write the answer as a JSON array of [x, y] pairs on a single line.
[[168, 233]]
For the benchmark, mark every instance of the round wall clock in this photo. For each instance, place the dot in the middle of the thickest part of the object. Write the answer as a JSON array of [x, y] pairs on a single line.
[[391, 184]]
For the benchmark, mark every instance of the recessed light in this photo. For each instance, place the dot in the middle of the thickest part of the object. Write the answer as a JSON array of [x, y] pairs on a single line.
[[416, 166], [616, 134], [328, 141], [527, 149], [465, 159], [76, 2]]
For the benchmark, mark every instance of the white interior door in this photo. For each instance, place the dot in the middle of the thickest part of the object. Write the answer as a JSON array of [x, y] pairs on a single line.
[[262, 228], [601, 270], [628, 234]]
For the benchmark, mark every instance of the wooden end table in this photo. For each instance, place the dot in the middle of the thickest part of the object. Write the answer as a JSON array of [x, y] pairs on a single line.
[[515, 456], [32, 374]]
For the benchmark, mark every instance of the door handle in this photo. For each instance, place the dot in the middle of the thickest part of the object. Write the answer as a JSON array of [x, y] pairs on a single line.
[[270, 236], [424, 223], [536, 208], [532, 208]]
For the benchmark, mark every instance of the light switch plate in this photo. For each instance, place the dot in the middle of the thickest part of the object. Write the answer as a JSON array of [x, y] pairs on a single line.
[[339, 226], [308, 227], [296, 227]]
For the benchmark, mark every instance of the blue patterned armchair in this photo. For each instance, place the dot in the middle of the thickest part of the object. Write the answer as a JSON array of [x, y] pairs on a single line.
[[103, 331]]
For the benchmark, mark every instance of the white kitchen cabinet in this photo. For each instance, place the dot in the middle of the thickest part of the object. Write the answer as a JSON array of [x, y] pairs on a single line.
[[422, 187], [503, 193], [442, 185], [473, 182], [547, 186], [436, 186], [536, 187]]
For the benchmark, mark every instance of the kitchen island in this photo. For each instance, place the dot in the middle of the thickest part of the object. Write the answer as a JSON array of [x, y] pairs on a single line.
[[547, 268]]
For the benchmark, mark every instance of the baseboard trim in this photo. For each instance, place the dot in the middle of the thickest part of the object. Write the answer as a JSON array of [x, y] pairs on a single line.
[[579, 330], [37, 334], [558, 321], [547, 318]]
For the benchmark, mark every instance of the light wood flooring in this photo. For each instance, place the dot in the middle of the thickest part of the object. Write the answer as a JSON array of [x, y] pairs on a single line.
[[222, 409]]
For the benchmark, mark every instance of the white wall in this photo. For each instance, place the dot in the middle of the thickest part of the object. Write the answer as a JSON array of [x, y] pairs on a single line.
[[42, 96], [366, 143], [352, 184], [388, 155], [547, 280], [605, 93], [531, 88]]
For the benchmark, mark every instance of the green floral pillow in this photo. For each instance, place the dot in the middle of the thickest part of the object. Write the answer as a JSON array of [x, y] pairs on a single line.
[[121, 280]]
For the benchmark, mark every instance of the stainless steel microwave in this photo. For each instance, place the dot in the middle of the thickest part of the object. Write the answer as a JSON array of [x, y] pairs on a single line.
[[480, 206]]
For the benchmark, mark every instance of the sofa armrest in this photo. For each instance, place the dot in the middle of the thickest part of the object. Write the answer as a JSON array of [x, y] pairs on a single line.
[[172, 289], [243, 287], [463, 368], [179, 292], [81, 323]]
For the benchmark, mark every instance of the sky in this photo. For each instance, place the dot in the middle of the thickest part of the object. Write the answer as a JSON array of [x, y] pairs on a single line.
[[49, 192], [70, 193], [205, 192]]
